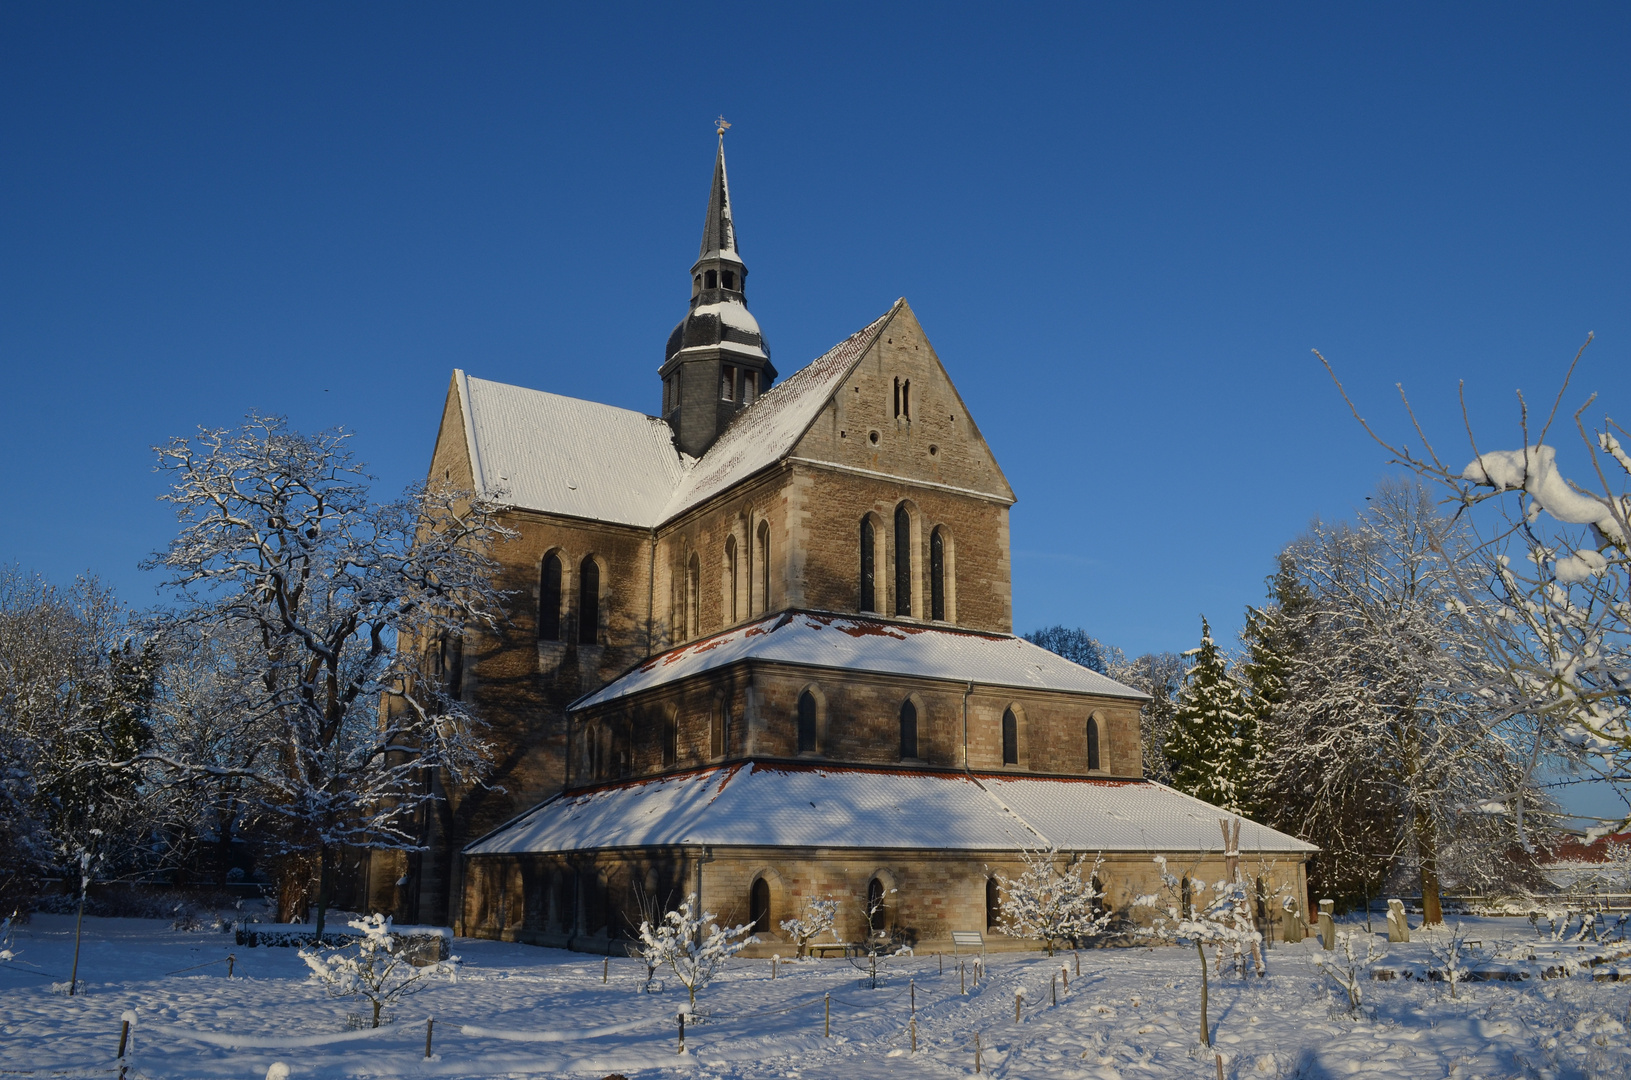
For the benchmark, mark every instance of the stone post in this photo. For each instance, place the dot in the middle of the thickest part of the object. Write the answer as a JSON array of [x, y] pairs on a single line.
[[1328, 926], [1398, 927]]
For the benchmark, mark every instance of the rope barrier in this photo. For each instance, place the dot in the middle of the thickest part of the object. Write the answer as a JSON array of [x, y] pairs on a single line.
[[195, 967]]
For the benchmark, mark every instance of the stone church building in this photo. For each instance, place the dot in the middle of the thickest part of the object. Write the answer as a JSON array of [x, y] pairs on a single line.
[[761, 648]]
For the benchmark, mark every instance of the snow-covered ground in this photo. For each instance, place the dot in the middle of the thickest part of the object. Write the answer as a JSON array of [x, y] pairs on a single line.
[[519, 1011]]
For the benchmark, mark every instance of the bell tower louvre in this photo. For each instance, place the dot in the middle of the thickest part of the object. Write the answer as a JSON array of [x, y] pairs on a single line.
[[716, 361]]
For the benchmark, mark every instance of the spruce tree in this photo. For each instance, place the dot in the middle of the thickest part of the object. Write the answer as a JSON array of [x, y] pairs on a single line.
[[1212, 744]]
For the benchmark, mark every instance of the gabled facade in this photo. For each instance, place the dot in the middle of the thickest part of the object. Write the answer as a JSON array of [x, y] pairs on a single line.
[[805, 574]]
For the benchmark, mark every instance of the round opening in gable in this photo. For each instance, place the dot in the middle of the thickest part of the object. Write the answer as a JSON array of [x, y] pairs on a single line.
[[874, 437]]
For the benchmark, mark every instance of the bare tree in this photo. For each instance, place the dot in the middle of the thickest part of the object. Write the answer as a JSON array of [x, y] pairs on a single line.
[[1560, 558], [319, 604]]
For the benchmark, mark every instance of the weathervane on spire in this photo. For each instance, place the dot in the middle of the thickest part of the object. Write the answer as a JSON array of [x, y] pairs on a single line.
[[722, 124]]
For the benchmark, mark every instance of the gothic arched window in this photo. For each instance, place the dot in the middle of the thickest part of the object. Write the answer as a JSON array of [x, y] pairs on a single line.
[[1092, 743], [993, 904], [908, 730], [671, 741], [730, 579], [1010, 738], [759, 906], [877, 919], [807, 723], [869, 591], [937, 576], [589, 601], [903, 560], [693, 619], [549, 599], [763, 555]]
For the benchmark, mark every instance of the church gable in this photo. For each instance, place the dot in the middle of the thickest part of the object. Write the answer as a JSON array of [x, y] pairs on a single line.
[[450, 460], [897, 414]]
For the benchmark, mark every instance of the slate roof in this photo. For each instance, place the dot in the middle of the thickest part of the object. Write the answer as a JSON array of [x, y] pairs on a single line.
[[857, 643], [559, 455], [754, 804]]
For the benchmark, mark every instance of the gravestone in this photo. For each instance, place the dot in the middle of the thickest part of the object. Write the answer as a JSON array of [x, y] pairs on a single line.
[[1398, 927]]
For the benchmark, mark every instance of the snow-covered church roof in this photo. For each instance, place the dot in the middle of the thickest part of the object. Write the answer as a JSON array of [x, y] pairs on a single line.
[[857, 643], [560, 455], [759, 804]]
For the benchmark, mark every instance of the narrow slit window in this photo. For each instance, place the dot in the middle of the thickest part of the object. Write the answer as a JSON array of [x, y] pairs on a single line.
[[903, 560], [897, 396], [807, 723], [869, 591], [937, 576], [906, 398], [908, 730]]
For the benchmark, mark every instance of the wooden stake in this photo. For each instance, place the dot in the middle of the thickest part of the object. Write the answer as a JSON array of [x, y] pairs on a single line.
[[1056, 989], [124, 1036], [911, 1025], [681, 1050], [605, 969], [430, 1026], [1065, 971], [826, 1005], [1018, 997], [1219, 1059], [942, 957], [773, 967], [976, 1051], [230, 961], [962, 983], [1078, 965], [913, 985]]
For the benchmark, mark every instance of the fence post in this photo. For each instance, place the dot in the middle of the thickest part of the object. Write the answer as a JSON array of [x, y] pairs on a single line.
[[962, 983], [976, 1051], [1078, 965], [911, 1026], [231, 959], [942, 957], [430, 1026], [1056, 989], [1019, 996], [124, 1039], [681, 1050], [913, 986], [826, 1008]]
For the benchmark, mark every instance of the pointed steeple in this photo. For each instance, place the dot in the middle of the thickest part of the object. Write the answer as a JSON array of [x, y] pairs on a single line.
[[717, 361], [718, 232]]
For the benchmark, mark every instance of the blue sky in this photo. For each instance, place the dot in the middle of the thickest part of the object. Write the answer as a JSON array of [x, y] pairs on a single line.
[[1123, 227]]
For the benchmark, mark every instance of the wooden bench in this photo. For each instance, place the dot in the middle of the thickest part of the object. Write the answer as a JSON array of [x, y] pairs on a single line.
[[844, 948], [967, 938]]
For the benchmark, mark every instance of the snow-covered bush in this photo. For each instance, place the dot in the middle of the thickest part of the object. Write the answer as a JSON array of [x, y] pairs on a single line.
[[376, 967], [1051, 905], [680, 943], [1348, 969], [817, 919], [6, 951], [1451, 953]]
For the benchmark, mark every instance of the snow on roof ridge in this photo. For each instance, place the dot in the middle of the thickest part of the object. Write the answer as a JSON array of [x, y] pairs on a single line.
[[875, 644]]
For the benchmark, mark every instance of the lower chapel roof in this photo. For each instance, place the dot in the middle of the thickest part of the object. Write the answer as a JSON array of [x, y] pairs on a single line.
[[857, 643], [759, 804]]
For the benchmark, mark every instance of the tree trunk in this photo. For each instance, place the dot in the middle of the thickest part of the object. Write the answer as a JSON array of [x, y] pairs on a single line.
[[1206, 1031], [377, 1005], [322, 894], [1432, 914], [293, 888]]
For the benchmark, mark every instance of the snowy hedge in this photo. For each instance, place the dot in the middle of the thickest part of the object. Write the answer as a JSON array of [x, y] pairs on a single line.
[[420, 944]]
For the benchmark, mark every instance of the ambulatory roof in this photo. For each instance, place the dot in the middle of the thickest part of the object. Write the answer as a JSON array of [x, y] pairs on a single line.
[[759, 804], [856, 643]]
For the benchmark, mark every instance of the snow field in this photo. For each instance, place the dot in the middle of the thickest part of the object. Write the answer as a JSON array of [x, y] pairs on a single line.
[[520, 1011]]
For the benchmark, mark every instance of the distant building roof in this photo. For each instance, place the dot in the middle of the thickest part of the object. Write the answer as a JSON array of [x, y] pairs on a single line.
[[858, 643], [759, 804], [561, 455]]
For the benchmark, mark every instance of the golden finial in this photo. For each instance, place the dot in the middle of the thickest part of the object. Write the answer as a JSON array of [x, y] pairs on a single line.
[[721, 124]]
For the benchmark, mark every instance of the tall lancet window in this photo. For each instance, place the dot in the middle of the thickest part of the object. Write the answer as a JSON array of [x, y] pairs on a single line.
[[908, 730], [693, 618], [903, 560], [763, 555], [1092, 743], [589, 601], [730, 579], [937, 576], [1010, 738], [869, 589], [549, 599]]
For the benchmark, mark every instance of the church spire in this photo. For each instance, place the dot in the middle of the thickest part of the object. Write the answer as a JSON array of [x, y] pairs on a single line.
[[718, 232], [717, 361]]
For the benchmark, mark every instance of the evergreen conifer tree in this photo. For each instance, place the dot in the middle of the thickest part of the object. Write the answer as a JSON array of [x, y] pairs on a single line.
[[1212, 745]]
